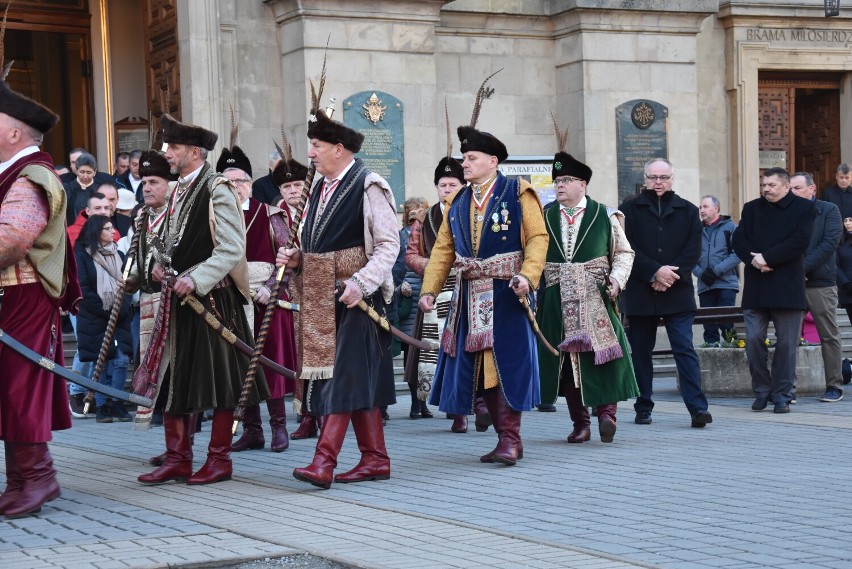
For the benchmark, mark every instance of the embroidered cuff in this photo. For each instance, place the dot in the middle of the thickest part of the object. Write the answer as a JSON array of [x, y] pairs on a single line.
[[357, 281]]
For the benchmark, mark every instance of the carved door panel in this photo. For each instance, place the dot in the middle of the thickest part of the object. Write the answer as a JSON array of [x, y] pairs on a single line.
[[161, 60], [818, 135], [775, 111]]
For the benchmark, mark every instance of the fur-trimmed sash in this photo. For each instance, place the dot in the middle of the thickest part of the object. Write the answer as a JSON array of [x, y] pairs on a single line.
[[480, 275], [584, 315]]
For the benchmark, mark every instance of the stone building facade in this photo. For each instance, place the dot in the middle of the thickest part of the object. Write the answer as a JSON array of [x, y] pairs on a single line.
[[745, 84]]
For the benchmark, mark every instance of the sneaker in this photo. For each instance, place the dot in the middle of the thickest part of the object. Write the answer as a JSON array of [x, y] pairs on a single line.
[[642, 418], [831, 395], [104, 414], [119, 412], [77, 402]]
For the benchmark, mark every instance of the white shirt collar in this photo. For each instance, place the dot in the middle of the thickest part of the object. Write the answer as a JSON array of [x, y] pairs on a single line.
[[581, 203], [343, 172], [188, 179], [21, 153]]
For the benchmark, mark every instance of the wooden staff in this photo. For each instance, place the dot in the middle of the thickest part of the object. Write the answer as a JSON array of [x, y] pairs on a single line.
[[113, 315], [260, 341]]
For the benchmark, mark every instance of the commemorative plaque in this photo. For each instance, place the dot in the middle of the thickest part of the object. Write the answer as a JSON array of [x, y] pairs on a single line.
[[378, 116], [641, 134]]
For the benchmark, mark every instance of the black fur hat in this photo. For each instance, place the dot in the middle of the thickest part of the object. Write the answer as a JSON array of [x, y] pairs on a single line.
[[566, 165], [472, 139], [323, 128], [179, 133], [234, 157], [26, 110], [289, 171], [449, 167], [152, 163]]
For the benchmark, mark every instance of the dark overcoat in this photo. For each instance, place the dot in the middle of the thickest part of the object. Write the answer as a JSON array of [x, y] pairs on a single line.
[[92, 318], [780, 231], [821, 256], [662, 231]]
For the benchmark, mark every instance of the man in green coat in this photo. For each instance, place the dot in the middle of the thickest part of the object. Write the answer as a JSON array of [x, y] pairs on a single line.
[[588, 262]]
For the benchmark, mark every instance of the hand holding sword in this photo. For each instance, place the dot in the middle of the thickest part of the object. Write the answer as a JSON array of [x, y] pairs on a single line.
[[518, 284]]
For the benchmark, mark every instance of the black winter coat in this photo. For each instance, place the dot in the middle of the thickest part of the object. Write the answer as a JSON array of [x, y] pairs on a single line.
[[92, 319], [821, 256], [841, 198], [781, 232], [662, 231], [844, 271]]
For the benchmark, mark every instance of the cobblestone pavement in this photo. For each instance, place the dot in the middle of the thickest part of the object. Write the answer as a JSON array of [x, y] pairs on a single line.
[[751, 490]]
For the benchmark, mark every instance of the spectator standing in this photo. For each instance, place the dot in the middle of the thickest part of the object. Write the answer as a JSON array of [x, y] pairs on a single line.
[[840, 193], [844, 268], [130, 179], [99, 273], [821, 282], [718, 267], [266, 188], [122, 164], [665, 232], [773, 234], [81, 186]]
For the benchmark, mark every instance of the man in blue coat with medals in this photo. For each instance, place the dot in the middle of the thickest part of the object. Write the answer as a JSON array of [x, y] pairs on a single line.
[[494, 236], [588, 263]]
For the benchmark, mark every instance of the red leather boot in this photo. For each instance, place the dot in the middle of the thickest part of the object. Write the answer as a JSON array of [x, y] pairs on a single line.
[[508, 427], [14, 480], [252, 437], [321, 470], [483, 417], [35, 467], [459, 424], [374, 463], [218, 466], [178, 459], [307, 428], [606, 421], [579, 415], [160, 459], [278, 422]]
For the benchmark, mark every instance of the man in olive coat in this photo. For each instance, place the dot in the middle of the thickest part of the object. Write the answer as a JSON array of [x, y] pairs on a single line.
[[772, 238], [665, 232]]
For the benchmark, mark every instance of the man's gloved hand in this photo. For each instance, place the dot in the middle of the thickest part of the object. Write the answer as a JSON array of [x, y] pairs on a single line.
[[709, 276]]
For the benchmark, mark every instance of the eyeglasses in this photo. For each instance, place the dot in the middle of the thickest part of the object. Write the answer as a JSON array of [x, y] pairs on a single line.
[[241, 181], [565, 180], [660, 178]]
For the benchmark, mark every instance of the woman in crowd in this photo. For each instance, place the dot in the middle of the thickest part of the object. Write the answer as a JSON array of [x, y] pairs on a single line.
[[99, 272], [81, 188]]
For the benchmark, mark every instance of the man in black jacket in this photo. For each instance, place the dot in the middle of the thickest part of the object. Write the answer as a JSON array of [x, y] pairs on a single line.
[[665, 232], [772, 238], [821, 282], [840, 193]]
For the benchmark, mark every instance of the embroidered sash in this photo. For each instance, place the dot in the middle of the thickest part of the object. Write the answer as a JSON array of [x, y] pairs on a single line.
[[584, 315], [480, 275]]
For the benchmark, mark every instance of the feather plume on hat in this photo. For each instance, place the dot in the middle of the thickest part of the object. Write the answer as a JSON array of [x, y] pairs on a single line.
[[563, 163], [476, 140]]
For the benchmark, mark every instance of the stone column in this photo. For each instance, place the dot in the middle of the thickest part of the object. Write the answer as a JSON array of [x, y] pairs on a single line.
[[608, 52]]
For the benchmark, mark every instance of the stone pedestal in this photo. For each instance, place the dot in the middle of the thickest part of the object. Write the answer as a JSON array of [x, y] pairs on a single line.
[[724, 371]]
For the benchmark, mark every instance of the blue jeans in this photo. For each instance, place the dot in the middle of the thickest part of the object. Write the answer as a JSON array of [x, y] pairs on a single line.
[[642, 333], [114, 374], [713, 298], [83, 368]]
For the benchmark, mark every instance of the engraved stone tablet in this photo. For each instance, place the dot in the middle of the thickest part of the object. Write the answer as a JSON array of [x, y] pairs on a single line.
[[641, 134], [378, 116]]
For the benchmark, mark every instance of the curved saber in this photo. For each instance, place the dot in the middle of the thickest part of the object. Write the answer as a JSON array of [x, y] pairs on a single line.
[[531, 317], [71, 376]]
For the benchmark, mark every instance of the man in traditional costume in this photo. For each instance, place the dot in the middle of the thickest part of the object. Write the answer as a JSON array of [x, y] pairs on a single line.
[[202, 252], [588, 264], [350, 240], [158, 184], [37, 278], [420, 365], [267, 230], [496, 240]]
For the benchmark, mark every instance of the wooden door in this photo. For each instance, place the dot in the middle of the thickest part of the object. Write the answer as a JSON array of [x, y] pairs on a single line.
[[161, 62], [818, 135], [776, 106]]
